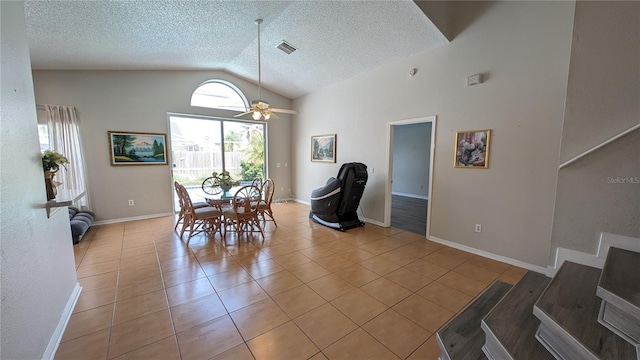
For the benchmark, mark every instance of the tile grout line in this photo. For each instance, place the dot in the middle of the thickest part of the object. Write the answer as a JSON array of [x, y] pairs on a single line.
[[166, 297], [264, 246]]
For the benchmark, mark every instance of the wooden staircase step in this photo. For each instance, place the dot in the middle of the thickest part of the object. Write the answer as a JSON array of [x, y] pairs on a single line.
[[510, 327], [568, 312], [619, 289], [462, 338]]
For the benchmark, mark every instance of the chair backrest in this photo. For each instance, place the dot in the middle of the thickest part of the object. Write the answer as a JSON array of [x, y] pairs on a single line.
[[353, 178], [185, 199], [244, 197], [257, 182], [179, 193], [268, 188]]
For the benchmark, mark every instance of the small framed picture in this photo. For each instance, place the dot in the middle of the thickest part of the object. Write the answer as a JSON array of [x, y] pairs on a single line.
[[472, 149], [136, 148], [323, 148]]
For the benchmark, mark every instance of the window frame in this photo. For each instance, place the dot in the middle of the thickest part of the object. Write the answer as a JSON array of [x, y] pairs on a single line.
[[244, 99]]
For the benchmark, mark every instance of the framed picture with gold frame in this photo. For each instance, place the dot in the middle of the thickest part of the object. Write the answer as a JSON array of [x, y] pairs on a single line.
[[472, 149], [137, 148], [323, 148]]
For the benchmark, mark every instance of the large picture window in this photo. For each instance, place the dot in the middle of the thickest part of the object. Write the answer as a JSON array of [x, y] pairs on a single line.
[[203, 145]]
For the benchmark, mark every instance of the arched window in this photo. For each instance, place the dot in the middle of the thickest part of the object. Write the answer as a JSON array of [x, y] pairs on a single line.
[[219, 94]]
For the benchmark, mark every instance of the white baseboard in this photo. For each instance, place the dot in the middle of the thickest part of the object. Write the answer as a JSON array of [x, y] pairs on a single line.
[[504, 259], [374, 222], [423, 197], [54, 342], [302, 202], [133, 218], [607, 240], [283, 200], [579, 257]]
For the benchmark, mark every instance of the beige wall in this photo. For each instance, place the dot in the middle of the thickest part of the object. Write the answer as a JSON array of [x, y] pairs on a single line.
[[140, 101], [600, 192], [523, 48], [37, 267]]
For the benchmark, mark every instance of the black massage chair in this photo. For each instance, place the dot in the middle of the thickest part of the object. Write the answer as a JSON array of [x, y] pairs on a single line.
[[335, 204]]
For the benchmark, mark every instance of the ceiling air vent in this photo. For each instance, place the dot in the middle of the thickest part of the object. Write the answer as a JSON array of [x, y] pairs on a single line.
[[286, 47]]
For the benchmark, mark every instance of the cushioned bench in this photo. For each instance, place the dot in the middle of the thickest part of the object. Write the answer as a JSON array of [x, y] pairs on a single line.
[[80, 221]]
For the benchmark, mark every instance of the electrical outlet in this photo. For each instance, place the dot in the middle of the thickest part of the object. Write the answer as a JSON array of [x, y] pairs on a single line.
[[131, 203], [478, 228], [474, 79]]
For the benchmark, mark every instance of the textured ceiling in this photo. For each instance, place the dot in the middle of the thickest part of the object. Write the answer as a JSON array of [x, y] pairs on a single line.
[[336, 40]]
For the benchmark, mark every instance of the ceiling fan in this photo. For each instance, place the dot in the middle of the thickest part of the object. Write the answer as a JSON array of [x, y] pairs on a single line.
[[261, 109]]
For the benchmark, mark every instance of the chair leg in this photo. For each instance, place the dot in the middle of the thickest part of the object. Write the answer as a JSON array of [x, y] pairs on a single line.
[[191, 231], [259, 228], [180, 219], [272, 218], [184, 225]]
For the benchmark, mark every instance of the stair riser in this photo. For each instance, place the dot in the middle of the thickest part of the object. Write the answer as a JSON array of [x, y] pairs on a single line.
[[623, 305], [620, 322], [492, 348], [561, 345], [444, 355], [491, 352]]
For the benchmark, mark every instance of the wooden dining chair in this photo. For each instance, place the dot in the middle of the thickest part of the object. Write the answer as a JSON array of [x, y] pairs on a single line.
[[203, 219], [196, 205], [264, 206], [243, 217]]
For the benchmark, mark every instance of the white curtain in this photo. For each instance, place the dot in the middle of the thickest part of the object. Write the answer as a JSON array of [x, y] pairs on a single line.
[[64, 137]]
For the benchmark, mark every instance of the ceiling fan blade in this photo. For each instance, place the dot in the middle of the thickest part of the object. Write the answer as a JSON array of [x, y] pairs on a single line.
[[284, 111], [242, 114]]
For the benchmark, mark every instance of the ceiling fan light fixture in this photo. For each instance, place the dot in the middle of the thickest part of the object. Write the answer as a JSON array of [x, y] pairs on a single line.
[[261, 109]]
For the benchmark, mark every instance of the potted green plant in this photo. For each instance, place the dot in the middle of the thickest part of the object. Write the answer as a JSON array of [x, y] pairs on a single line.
[[51, 162], [224, 180]]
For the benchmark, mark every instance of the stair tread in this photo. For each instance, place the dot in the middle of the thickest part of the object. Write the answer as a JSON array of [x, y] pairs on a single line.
[[462, 337], [570, 301], [621, 275], [512, 321]]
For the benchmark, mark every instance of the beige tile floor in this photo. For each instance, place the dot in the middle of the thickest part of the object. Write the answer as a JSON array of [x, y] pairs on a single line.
[[305, 292]]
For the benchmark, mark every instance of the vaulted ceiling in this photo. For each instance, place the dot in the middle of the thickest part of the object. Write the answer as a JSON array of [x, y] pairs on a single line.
[[335, 40]]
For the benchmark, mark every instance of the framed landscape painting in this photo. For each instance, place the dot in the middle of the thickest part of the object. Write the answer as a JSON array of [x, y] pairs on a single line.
[[472, 149], [136, 148], [323, 148]]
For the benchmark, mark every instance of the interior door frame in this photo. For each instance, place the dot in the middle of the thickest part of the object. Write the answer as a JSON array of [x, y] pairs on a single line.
[[388, 187]]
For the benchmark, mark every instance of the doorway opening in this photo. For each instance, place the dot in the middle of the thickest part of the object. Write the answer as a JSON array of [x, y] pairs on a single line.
[[409, 181]]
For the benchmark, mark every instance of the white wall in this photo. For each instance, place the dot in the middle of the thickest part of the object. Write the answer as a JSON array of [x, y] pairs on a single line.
[[411, 155], [139, 101], [37, 265], [523, 49], [600, 192]]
